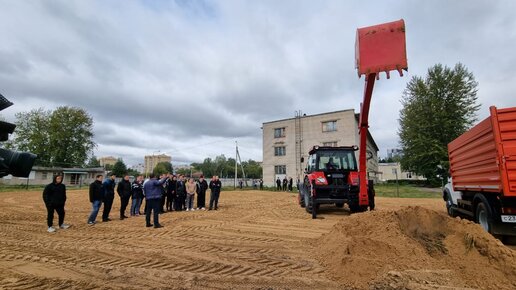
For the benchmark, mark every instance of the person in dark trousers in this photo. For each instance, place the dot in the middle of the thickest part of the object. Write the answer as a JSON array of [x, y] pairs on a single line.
[[96, 196], [278, 184], [54, 196], [290, 184], [136, 195], [163, 192], [124, 192], [153, 194], [171, 192], [109, 195], [202, 186], [215, 186], [181, 193], [261, 184], [285, 182]]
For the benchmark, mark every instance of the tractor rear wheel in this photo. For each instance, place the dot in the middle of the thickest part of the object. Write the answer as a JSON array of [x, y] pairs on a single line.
[[308, 202], [301, 199]]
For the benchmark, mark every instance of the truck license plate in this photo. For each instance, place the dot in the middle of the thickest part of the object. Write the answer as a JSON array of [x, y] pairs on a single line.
[[509, 218]]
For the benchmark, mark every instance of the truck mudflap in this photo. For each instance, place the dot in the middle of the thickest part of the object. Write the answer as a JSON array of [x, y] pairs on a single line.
[[505, 228]]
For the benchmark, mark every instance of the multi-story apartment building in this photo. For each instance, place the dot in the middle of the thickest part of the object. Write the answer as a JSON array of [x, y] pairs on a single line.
[[286, 141], [107, 160], [152, 160]]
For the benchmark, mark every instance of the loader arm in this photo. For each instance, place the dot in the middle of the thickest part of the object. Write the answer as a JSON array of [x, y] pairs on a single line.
[[378, 48]]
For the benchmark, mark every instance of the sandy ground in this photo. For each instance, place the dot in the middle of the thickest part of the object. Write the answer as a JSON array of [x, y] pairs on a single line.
[[256, 240]]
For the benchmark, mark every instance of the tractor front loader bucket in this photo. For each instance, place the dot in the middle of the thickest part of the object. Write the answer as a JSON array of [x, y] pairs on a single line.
[[378, 48], [381, 48]]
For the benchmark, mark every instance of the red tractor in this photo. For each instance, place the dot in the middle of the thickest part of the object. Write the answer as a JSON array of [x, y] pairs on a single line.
[[331, 177]]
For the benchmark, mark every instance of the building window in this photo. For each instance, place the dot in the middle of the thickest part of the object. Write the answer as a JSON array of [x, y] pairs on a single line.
[[75, 178], [280, 169], [279, 151], [279, 132], [44, 175], [330, 144], [329, 126]]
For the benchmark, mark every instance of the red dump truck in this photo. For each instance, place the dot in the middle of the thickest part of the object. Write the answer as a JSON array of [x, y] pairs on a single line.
[[482, 186]]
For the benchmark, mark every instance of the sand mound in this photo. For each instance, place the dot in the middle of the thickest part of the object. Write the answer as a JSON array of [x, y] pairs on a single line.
[[415, 248]]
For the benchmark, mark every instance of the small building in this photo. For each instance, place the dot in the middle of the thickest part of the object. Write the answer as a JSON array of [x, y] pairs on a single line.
[[286, 141], [392, 171], [44, 175]]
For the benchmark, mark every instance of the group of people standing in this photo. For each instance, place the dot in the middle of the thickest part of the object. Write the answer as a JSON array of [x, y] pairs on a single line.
[[286, 184], [175, 193]]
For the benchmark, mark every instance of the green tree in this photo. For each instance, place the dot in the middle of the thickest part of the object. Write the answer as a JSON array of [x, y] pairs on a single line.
[[133, 172], [436, 110], [162, 167], [183, 171], [71, 139], [252, 169], [207, 167], [119, 169], [63, 137], [33, 134], [93, 162]]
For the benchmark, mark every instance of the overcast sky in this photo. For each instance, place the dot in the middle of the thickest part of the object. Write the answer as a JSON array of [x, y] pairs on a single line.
[[189, 78]]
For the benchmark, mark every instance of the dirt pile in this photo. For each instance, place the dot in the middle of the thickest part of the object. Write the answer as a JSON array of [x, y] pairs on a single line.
[[415, 248]]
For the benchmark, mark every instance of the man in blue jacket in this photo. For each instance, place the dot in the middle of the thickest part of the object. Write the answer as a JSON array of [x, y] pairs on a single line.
[[109, 195], [153, 194]]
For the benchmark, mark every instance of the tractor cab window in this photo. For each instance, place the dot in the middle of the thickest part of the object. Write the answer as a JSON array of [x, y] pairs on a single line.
[[336, 160], [310, 165]]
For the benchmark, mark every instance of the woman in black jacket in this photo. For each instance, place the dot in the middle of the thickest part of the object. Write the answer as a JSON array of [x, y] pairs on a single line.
[[54, 196]]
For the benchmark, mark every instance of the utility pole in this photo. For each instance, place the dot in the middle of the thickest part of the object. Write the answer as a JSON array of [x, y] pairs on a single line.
[[397, 185], [236, 163], [241, 165]]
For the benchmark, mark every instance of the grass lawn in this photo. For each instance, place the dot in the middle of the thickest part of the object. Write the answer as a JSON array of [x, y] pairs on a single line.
[[9, 188], [389, 190]]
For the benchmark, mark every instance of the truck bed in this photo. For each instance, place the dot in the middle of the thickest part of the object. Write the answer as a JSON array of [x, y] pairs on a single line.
[[484, 158]]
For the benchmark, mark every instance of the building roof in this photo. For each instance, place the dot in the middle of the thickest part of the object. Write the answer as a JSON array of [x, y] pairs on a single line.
[[327, 113], [68, 170], [357, 117]]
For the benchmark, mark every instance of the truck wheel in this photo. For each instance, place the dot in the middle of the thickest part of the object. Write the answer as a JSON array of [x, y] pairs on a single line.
[[449, 205], [339, 205], [483, 216]]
